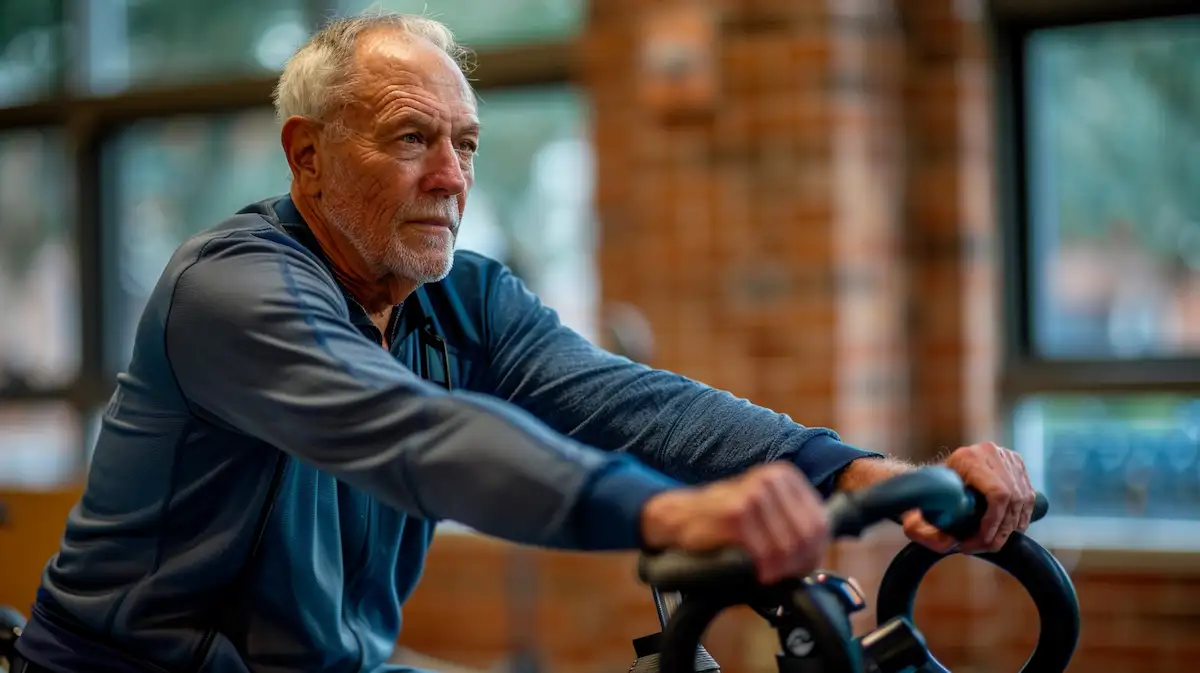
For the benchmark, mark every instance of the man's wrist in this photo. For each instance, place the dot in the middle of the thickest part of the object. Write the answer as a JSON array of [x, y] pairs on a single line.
[[868, 471], [661, 518]]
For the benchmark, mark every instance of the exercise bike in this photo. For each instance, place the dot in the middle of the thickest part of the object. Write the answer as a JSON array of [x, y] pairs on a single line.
[[812, 615]]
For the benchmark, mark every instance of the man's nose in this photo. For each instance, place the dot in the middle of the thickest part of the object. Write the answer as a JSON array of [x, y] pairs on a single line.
[[444, 170]]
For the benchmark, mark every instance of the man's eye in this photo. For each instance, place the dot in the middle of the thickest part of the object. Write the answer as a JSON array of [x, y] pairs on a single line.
[[411, 138], [469, 146]]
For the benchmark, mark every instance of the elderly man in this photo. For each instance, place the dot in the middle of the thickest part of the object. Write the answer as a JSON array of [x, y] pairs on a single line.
[[320, 379]]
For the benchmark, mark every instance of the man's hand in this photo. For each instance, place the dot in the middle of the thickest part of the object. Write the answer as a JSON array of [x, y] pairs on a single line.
[[771, 511], [999, 474]]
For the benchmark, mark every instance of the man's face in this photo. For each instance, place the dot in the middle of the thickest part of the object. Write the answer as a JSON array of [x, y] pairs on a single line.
[[395, 176]]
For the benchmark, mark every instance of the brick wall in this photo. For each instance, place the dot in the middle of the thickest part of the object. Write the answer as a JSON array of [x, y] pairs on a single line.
[[821, 241]]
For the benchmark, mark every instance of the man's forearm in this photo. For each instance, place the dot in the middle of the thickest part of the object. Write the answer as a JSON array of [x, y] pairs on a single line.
[[867, 471]]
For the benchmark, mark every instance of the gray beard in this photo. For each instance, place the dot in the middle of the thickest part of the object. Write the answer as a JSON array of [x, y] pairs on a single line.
[[386, 254]]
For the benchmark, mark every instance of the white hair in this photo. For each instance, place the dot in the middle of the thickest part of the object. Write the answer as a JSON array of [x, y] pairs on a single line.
[[319, 78]]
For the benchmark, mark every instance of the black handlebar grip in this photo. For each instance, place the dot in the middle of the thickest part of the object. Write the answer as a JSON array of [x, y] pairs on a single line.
[[937, 491], [687, 572], [969, 526], [1041, 506]]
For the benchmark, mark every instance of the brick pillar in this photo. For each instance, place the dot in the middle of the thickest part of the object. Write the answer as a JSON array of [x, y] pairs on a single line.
[[953, 241], [953, 260], [760, 239], [763, 237]]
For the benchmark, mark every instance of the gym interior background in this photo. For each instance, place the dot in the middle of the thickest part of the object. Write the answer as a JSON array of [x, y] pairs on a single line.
[[920, 222]]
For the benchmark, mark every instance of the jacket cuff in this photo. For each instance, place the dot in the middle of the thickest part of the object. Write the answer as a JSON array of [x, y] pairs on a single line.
[[824, 457]]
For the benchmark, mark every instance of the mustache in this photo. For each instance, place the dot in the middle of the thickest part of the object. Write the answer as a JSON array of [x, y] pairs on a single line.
[[440, 210]]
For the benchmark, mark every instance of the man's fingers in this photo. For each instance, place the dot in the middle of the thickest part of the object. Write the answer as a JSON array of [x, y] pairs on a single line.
[[784, 522], [1027, 496], [758, 541], [1009, 524], [926, 534], [816, 528]]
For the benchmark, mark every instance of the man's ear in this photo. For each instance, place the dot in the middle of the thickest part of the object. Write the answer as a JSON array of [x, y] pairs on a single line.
[[301, 138]]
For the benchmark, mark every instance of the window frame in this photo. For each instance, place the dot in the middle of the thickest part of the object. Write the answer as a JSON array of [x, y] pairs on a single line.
[[88, 122], [1024, 372]]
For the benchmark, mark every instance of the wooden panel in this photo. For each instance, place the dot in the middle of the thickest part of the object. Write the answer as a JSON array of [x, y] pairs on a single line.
[[30, 532]]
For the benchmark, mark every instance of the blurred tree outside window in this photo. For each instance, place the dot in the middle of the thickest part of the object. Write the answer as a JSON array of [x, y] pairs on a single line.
[[1114, 115], [490, 23], [40, 445], [31, 42], [146, 43], [39, 286], [170, 179]]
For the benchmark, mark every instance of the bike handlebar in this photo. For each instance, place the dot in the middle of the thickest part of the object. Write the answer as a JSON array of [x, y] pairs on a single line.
[[938, 492]]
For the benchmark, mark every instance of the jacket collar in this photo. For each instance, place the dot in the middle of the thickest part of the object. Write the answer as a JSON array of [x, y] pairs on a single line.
[[293, 224]]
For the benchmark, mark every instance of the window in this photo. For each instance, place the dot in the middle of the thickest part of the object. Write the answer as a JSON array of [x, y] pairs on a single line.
[[1119, 471], [531, 206], [39, 290], [40, 445], [172, 178], [490, 24], [127, 126], [1114, 120], [1104, 369], [30, 44], [132, 43]]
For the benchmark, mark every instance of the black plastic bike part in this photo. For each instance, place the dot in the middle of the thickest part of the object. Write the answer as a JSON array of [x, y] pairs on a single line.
[[1042, 576], [665, 603], [815, 627], [648, 649], [894, 647], [723, 578], [11, 623], [688, 625], [652, 663], [938, 492], [847, 591], [968, 526]]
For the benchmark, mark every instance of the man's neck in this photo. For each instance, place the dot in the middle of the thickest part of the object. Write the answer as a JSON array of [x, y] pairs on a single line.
[[376, 294]]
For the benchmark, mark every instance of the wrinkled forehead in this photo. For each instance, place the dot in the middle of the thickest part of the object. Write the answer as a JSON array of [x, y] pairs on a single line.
[[393, 67]]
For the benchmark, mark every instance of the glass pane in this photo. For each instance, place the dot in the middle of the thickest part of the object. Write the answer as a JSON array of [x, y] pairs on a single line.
[[487, 24], [133, 43], [30, 42], [1114, 120], [39, 289], [531, 206], [1119, 471], [171, 178], [39, 445]]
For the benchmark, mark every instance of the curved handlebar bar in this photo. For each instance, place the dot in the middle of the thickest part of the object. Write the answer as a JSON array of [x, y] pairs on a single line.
[[938, 492]]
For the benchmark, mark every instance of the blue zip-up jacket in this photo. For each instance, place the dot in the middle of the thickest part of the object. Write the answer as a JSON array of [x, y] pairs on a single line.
[[268, 478]]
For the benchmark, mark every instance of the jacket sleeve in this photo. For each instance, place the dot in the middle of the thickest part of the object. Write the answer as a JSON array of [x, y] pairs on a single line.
[[686, 429], [259, 337]]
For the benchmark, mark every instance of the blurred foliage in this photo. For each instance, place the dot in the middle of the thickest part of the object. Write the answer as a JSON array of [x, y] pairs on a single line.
[[33, 197], [168, 40], [30, 46], [482, 24], [1118, 106]]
